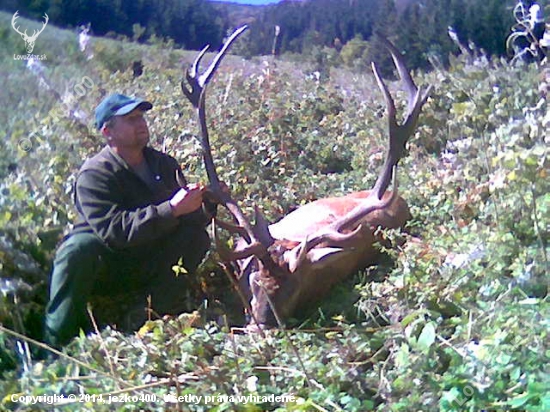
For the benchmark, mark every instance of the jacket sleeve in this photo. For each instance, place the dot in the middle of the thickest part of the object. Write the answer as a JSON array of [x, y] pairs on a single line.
[[99, 202]]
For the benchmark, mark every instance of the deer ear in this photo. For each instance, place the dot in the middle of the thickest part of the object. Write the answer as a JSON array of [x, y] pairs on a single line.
[[296, 256], [293, 261]]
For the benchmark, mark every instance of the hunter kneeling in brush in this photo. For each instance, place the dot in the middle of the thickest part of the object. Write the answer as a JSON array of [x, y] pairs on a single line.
[[135, 221]]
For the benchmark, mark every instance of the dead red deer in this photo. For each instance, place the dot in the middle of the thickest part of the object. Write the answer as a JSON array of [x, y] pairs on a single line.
[[290, 264]]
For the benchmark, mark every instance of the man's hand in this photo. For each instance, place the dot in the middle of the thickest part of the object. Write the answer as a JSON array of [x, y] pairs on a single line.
[[187, 199]]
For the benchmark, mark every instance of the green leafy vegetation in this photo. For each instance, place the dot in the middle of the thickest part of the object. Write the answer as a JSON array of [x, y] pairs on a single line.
[[456, 318]]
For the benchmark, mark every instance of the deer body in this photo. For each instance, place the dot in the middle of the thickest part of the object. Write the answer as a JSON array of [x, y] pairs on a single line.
[[313, 216], [290, 264], [324, 265]]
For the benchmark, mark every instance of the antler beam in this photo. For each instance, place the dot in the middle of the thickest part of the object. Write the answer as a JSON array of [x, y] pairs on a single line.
[[399, 134], [195, 91], [196, 95], [35, 33]]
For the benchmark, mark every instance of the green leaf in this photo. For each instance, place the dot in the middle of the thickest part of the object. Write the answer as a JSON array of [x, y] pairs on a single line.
[[402, 357], [427, 337], [520, 400]]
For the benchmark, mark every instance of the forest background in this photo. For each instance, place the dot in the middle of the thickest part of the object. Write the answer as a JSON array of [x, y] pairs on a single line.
[[322, 29]]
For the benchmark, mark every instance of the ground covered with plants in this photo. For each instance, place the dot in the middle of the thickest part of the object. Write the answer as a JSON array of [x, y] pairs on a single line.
[[454, 319]]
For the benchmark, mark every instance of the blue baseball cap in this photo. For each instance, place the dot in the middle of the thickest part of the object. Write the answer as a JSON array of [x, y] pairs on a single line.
[[118, 105]]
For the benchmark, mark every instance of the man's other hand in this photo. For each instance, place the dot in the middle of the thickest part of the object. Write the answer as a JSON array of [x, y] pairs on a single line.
[[187, 199]]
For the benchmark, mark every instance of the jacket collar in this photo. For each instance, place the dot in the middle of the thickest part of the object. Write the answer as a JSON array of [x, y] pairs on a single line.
[[149, 154]]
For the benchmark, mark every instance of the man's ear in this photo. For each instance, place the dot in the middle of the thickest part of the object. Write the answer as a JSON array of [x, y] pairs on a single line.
[[105, 131]]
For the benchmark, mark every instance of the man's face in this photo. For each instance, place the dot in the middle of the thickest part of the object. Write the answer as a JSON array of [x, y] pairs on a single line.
[[129, 131]]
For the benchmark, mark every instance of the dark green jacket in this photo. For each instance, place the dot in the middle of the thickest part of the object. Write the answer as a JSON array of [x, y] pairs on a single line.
[[118, 206]]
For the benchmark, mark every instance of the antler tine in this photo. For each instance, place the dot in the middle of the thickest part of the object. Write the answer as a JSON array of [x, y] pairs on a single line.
[[404, 75], [35, 33], [194, 94], [261, 227], [333, 234], [415, 99], [207, 75], [230, 227], [364, 209], [193, 70], [199, 82], [387, 96], [13, 19], [195, 66], [334, 238], [230, 256]]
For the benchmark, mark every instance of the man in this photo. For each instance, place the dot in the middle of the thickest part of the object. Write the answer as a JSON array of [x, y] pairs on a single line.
[[134, 223]]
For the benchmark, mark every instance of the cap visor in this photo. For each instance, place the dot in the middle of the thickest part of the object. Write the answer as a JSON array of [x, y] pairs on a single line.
[[140, 104]]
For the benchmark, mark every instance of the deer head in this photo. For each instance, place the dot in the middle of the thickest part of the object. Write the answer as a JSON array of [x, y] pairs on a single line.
[[289, 264], [29, 40]]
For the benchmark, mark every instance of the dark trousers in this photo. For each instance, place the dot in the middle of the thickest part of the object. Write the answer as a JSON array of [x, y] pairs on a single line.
[[86, 269]]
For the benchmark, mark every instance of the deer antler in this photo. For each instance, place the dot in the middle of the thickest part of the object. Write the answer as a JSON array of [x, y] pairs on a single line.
[[13, 19], [35, 35], [258, 235], [196, 95], [24, 34], [399, 134]]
